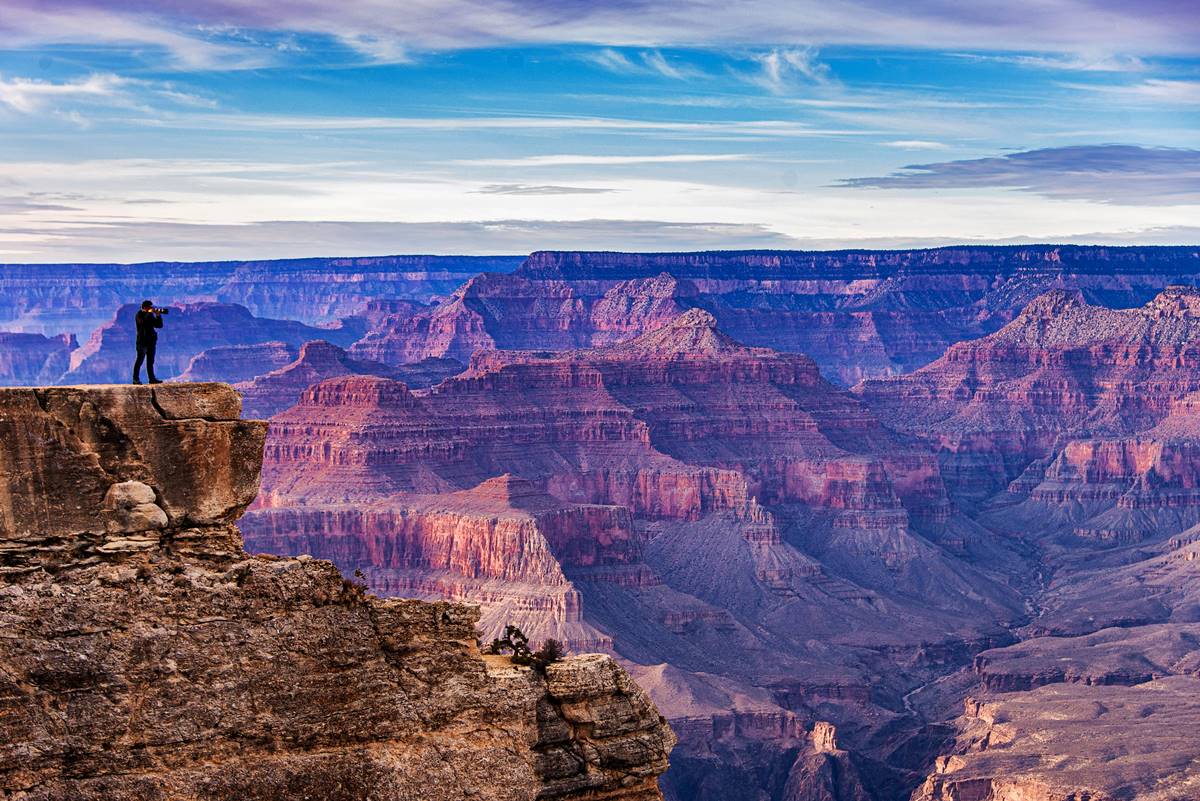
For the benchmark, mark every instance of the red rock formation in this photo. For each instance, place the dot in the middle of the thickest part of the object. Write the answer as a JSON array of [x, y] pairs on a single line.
[[510, 312], [770, 532], [271, 392], [33, 358], [504, 543], [1062, 369]]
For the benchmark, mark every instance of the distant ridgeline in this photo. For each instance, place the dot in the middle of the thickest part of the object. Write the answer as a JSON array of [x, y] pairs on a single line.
[[859, 314], [77, 298], [854, 264]]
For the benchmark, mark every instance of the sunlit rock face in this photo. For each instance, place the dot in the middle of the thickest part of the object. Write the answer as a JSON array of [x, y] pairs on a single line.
[[147, 656]]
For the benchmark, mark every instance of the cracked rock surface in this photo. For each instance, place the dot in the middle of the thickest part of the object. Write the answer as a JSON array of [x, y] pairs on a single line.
[[145, 656]]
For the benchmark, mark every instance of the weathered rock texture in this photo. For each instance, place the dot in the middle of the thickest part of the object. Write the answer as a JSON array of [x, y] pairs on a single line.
[[145, 656], [856, 313]]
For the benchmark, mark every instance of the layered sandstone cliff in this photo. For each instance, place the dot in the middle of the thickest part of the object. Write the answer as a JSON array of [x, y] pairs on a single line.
[[148, 657], [1062, 370]]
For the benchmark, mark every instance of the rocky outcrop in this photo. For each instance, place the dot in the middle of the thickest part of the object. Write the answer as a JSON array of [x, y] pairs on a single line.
[[107, 357], [33, 358], [148, 657]]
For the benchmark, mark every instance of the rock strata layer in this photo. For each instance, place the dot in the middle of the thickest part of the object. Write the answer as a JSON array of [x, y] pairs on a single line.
[[147, 657]]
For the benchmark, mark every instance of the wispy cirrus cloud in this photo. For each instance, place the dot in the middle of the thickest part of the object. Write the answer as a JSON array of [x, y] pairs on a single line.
[[1070, 62], [1126, 174], [645, 62], [28, 95], [915, 144], [778, 68], [1152, 90], [720, 129]]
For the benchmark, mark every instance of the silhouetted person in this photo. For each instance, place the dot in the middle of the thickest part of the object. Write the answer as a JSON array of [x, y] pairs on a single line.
[[148, 321]]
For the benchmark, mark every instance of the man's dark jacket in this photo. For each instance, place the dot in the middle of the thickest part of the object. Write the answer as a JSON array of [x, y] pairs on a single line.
[[146, 323]]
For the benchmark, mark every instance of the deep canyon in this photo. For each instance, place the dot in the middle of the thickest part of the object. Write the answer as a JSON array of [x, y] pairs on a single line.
[[865, 525]]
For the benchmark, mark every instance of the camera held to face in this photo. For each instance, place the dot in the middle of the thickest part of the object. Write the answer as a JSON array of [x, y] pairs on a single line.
[[158, 309]]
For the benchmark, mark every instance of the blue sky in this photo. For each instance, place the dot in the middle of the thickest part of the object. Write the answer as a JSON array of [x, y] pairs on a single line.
[[144, 130]]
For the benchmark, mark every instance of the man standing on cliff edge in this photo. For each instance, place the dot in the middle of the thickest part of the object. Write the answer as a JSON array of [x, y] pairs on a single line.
[[148, 319]]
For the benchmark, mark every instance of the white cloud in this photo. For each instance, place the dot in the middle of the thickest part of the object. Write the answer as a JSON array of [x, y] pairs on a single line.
[[915, 144], [31, 95], [646, 62], [38, 25], [779, 68], [1151, 90], [759, 129], [1070, 62], [28, 96]]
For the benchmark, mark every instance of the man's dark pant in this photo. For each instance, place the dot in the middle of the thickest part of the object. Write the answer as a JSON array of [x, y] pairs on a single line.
[[146, 353]]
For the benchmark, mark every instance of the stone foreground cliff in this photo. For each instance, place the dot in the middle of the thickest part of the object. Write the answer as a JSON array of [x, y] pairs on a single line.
[[144, 655]]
